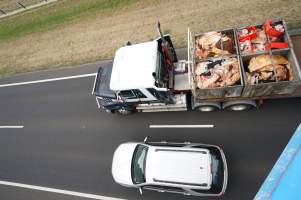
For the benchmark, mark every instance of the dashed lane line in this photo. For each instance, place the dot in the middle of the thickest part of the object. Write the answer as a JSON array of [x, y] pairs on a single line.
[[47, 80], [3, 127], [182, 126]]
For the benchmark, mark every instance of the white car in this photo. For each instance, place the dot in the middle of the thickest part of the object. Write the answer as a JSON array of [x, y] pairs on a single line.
[[185, 168]]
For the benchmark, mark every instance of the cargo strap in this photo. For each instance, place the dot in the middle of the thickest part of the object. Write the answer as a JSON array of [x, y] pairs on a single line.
[[270, 30], [277, 45], [250, 36]]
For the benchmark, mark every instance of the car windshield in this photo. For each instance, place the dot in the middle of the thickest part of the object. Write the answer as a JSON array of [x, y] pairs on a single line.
[[138, 164]]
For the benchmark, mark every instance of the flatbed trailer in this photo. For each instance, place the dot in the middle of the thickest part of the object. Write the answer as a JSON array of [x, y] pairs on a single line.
[[148, 77], [244, 95]]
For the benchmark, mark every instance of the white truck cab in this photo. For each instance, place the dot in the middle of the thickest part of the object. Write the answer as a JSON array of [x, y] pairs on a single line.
[[141, 78], [133, 72]]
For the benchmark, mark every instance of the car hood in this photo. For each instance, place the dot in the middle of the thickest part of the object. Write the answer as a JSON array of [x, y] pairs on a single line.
[[121, 164]]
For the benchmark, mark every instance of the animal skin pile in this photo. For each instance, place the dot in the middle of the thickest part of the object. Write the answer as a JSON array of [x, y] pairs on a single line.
[[253, 39], [261, 69], [219, 73], [210, 45]]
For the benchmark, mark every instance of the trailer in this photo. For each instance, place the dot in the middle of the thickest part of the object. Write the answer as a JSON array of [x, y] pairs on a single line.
[[284, 180], [231, 69]]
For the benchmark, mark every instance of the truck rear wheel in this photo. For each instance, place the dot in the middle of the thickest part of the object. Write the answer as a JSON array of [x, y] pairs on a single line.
[[207, 106], [239, 105]]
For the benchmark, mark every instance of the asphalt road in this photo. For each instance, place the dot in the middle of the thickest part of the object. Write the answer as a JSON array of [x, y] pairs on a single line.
[[66, 143]]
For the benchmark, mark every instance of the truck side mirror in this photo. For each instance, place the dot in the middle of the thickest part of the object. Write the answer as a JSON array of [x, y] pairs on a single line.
[[154, 75], [127, 43], [120, 98], [140, 191], [145, 140]]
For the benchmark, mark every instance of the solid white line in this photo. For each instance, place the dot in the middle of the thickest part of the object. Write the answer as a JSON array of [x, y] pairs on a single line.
[[11, 126], [48, 80], [182, 126], [53, 190]]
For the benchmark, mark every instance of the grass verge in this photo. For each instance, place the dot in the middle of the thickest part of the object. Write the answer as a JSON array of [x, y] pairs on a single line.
[[46, 18], [79, 31]]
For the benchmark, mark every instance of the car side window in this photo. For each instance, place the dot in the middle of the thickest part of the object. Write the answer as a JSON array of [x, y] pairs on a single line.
[[153, 187], [200, 192], [164, 188], [167, 144], [127, 94]]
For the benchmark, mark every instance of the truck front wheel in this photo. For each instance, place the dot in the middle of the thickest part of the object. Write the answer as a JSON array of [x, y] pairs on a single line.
[[125, 111]]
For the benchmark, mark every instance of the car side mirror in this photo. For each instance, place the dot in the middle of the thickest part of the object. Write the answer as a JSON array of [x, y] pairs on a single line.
[[140, 191], [145, 140]]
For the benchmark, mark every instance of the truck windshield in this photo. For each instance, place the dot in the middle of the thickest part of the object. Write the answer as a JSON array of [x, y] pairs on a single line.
[[138, 164]]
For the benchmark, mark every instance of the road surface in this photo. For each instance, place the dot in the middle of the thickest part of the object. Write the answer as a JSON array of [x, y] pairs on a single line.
[[66, 143]]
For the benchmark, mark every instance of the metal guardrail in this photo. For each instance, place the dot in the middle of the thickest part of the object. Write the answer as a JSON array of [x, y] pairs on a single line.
[[4, 13], [294, 32], [21, 6]]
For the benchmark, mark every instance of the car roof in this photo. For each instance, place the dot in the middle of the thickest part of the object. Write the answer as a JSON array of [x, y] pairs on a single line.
[[179, 167], [133, 66]]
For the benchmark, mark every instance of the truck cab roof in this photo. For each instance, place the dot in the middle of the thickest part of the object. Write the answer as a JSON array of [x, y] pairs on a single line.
[[134, 65]]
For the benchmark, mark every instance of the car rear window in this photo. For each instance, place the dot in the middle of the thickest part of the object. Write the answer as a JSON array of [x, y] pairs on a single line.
[[138, 164]]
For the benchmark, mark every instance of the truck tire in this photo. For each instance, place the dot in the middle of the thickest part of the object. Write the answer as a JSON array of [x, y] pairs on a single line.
[[207, 106], [109, 111], [239, 105]]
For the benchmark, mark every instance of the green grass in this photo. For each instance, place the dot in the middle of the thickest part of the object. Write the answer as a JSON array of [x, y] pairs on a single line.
[[55, 15]]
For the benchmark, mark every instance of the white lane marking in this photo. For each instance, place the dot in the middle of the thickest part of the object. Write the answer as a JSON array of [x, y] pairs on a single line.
[[182, 126], [54, 190], [48, 80], [11, 126]]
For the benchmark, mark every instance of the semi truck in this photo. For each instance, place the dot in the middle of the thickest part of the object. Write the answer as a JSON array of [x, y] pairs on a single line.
[[233, 69]]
